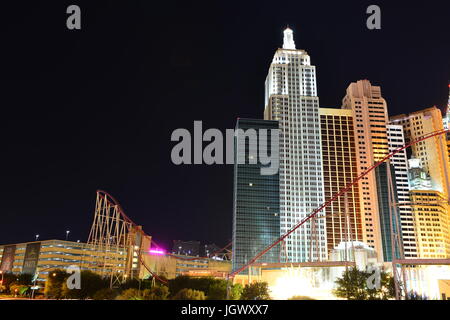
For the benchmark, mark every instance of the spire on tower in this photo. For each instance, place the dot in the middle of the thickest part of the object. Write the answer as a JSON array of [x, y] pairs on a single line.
[[288, 39], [446, 118], [448, 104]]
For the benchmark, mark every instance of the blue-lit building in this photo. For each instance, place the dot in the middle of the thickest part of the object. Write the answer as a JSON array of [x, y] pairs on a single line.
[[256, 209], [381, 174]]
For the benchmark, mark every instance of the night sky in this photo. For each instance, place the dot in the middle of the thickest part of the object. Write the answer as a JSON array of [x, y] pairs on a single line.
[[95, 108]]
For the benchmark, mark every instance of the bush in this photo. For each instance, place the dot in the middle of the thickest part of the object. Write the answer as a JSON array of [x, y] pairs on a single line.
[[105, 294], [236, 291], [22, 290], [156, 293], [256, 291], [353, 286], [90, 283], [217, 291], [214, 289], [301, 298], [25, 279], [8, 279], [189, 294], [136, 284], [130, 294], [186, 282], [54, 284]]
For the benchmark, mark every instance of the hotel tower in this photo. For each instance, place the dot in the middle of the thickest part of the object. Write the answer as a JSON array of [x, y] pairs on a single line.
[[291, 98], [369, 111]]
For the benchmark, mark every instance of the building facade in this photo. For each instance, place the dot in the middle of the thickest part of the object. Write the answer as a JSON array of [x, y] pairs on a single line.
[[40, 257], [369, 111], [172, 266], [291, 98], [388, 214], [432, 152], [340, 168], [431, 211], [256, 208], [396, 140]]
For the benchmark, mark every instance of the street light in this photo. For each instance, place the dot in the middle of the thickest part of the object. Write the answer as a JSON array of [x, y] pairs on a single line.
[[67, 234], [36, 275], [37, 237]]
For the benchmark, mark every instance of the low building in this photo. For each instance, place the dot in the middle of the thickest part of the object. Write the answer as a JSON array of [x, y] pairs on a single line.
[[357, 251], [170, 266], [41, 257]]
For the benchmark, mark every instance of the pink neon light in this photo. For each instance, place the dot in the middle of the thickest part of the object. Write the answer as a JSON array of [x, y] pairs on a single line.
[[157, 251]]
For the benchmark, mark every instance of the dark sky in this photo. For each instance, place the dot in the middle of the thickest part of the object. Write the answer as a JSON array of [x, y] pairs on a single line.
[[95, 109]]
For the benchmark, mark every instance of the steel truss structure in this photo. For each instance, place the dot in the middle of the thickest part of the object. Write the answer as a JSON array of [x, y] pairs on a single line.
[[114, 235]]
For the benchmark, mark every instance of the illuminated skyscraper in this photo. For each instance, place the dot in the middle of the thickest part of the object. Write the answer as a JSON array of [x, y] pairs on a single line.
[[256, 219], [291, 98], [429, 181], [388, 214], [433, 153], [343, 216], [369, 111], [433, 230], [396, 140]]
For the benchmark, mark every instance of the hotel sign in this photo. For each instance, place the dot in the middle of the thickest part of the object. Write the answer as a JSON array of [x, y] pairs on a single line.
[[9, 253], [31, 258]]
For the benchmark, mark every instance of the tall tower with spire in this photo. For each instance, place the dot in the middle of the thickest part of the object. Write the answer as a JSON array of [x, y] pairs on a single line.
[[291, 98]]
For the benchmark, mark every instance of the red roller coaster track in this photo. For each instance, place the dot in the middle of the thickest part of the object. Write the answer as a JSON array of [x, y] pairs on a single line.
[[112, 201], [340, 193]]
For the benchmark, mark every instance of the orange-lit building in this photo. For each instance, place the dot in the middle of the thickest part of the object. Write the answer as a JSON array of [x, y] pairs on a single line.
[[343, 216], [370, 117]]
